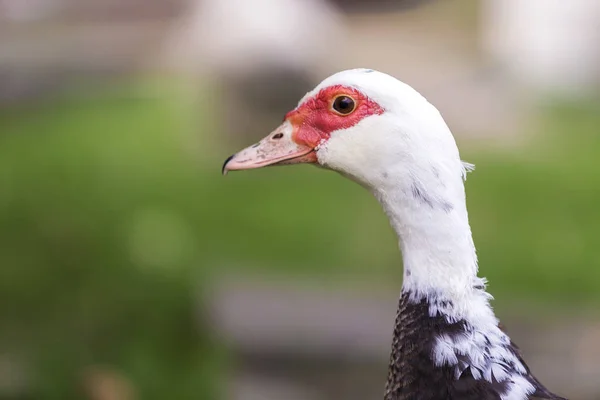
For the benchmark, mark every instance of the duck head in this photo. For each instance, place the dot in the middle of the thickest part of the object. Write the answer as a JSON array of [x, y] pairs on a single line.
[[365, 124]]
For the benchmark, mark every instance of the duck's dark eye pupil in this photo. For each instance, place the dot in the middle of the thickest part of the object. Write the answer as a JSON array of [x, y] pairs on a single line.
[[343, 105]]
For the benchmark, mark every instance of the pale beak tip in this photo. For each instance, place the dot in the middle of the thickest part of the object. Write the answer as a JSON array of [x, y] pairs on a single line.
[[224, 169]]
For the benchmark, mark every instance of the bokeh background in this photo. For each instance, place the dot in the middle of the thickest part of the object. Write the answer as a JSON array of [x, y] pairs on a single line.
[[131, 269]]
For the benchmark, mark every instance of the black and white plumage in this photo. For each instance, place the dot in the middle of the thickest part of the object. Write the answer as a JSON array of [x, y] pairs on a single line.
[[381, 133], [492, 369]]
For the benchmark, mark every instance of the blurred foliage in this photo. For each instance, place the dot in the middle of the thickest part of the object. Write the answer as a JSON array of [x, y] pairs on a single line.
[[98, 247], [111, 227], [534, 211]]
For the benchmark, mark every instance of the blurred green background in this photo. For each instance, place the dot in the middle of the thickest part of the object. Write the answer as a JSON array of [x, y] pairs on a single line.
[[115, 222]]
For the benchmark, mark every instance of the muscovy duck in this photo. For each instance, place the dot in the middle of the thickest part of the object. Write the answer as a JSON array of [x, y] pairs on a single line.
[[380, 132]]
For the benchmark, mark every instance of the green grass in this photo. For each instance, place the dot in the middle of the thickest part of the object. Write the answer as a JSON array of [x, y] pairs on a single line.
[[112, 209]]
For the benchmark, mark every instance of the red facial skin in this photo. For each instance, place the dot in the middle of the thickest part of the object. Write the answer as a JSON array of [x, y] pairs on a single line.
[[315, 119], [312, 124]]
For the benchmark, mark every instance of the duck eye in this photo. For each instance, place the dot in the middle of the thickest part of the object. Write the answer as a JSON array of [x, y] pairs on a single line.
[[343, 105]]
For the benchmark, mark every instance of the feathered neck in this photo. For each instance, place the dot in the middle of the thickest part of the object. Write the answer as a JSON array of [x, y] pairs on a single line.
[[447, 343], [427, 209]]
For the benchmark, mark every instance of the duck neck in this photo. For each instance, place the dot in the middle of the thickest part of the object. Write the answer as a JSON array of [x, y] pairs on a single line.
[[434, 236]]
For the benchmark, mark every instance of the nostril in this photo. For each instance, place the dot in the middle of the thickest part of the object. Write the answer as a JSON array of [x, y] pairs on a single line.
[[278, 135]]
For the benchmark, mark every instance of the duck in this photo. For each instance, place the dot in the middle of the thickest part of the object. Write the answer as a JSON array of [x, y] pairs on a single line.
[[376, 130]]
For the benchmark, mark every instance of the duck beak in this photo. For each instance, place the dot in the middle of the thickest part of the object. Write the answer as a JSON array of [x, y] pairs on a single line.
[[278, 148]]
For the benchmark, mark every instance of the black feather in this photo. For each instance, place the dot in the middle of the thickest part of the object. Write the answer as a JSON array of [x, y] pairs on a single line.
[[414, 376]]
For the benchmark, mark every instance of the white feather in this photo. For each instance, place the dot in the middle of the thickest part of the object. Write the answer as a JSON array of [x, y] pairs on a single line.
[[519, 389], [444, 351], [410, 146]]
